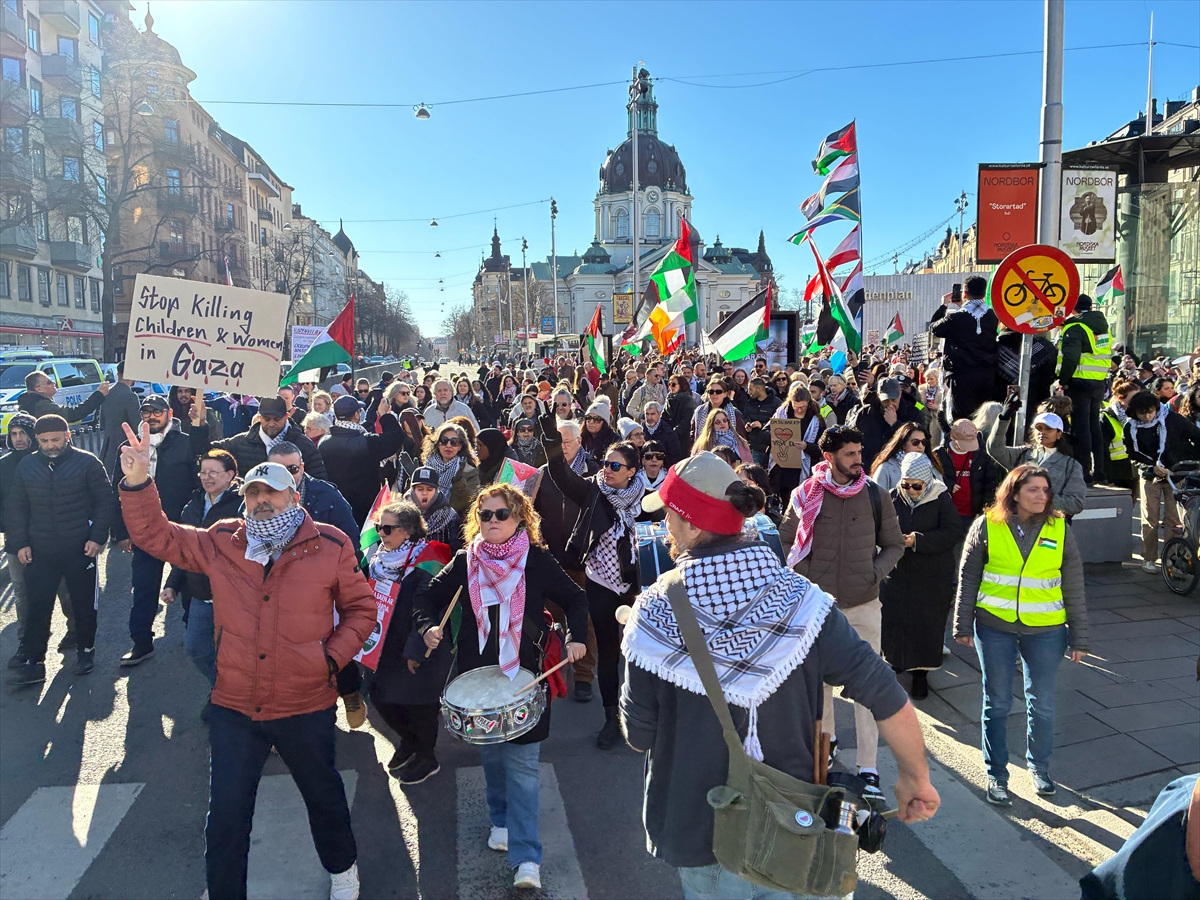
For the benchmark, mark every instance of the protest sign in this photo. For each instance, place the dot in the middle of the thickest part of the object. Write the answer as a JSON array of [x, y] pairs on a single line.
[[786, 437], [303, 337], [385, 593], [208, 336]]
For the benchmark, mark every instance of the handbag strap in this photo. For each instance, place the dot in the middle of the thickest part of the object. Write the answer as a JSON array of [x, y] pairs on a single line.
[[697, 647]]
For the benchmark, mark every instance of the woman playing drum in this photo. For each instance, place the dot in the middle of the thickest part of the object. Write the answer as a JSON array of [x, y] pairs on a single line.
[[507, 575]]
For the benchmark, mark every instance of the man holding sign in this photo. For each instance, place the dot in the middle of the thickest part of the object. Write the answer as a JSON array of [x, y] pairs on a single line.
[[275, 681]]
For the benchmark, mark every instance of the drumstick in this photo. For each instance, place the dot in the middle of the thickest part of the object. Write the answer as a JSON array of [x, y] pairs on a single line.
[[548, 672], [449, 609], [817, 753]]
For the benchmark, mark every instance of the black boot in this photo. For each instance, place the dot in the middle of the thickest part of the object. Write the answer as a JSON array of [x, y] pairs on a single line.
[[610, 735], [920, 685]]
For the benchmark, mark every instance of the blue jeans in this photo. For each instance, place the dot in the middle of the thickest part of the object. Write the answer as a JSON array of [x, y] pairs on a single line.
[[511, 773], [1040, 655], [239, 748], [715, 883], [199, 639], [146, 572]]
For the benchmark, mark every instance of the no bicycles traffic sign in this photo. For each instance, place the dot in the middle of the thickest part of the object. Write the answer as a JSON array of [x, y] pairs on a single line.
[[1034, 289]]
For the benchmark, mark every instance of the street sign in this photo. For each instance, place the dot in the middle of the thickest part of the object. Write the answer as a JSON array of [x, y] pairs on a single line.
[[1034, 289]]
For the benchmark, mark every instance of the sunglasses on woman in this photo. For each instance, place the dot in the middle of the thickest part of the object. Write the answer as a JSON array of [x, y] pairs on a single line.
[[715, 392], [501, 515], [917, 442], [403, 393], [591, 419], [652, 456], [913, 485], [613, 466], [524, 431], [388, 529], [450, 441]]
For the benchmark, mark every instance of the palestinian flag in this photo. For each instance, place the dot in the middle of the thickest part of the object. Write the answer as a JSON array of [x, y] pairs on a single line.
[[843, 178], [435, 557], [519, 475], [594, 338], [675, 287], [895, 331], [634, 338], [839, 144], [848, 251], [332, 346], [1111, 286], [836, 310], [808, 339], [845, 208], [738, 336], [369, 533]]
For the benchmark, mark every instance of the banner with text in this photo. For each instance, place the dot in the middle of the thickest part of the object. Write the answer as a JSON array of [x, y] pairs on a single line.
[[1008, 209], [1087, 221], [209, 336], [303, 337]]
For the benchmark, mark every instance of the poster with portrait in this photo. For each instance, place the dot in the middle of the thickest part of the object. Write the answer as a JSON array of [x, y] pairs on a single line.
[[1087, 217], [622, 309]]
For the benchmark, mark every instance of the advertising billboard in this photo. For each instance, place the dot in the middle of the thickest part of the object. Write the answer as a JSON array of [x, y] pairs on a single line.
[[1007, 209], [1087, 218]]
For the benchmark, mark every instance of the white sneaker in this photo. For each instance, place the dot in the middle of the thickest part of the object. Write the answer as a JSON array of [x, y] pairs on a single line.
[[529, 875], [344, 885], [498, 839], [1150, 567]]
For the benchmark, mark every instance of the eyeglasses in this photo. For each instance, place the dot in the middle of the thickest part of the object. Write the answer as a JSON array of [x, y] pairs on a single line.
[[363, 391], [151, 413], [294, 469], [590, 419], [388, 529], [524, 431], [403, 393], [652, 456], [913, 485], [916, 441], [613, 466], [449, 441], [501, 515], [715, 392], [563, 405]]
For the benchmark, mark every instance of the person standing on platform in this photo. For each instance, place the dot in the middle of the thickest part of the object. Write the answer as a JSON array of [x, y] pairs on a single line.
[[1085, 356], [970, 349]]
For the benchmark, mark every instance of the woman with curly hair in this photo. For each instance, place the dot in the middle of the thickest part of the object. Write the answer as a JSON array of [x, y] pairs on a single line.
[[451, 454]]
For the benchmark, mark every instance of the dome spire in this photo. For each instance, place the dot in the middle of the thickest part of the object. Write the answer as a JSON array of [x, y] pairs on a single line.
[[149, 21], [647, 108], [495, 242]]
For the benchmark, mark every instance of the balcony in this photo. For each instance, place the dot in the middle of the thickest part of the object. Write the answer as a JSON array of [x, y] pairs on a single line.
[[12, 31], [224, 224], [279, 256], [19, 241], [14, 101], [16, 173], [264, 215], [65, 194], [62, 14], [71, 255], [179, 201], [235, 268], [63, 134], [231, 189], [63, 72], [265, 180], [182, 250], [175, 152]]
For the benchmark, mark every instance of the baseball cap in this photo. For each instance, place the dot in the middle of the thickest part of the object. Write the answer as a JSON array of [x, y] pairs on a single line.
[[345, 407], [271, 474], [1050, 420], [156, 402], [272, 406], [695, 489], [889, 389], [425, 476]]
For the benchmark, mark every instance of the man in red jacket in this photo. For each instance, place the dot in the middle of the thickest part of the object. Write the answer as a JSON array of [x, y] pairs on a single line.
[[277, 579]]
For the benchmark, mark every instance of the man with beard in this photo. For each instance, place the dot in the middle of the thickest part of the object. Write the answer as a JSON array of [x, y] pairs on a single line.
[[58, 518], [173, 462], [656, 429], [277, 579], [251, 447]]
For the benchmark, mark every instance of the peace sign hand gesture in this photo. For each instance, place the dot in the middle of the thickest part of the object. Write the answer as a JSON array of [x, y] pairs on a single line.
[[135, 456]]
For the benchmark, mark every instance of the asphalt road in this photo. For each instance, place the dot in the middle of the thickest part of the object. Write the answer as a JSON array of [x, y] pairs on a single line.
[[103, 793]]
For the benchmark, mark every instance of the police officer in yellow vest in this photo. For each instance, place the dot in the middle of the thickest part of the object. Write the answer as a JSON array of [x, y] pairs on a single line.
[[1084, 360], [1020, 590]]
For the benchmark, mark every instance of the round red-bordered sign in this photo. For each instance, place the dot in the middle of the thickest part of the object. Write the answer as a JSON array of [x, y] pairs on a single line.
[[1035, 288]]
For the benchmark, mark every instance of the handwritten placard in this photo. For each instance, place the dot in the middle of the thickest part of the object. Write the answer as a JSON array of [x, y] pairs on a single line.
[[208, 336], [786, 437]]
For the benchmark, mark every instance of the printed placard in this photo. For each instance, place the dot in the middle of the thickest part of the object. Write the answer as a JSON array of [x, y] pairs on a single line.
[[203, 335], [786, 437], [1088, 215], [385, 604], [303, 337]]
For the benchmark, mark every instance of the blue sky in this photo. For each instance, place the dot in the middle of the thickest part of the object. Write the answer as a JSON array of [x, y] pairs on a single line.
[[746, 142]]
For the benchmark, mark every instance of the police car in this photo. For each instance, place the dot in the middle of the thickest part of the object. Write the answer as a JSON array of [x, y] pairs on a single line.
[[76, 377]]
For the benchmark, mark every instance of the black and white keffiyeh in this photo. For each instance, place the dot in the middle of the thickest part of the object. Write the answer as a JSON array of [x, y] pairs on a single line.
[[269, 441], [350, 426], [759, 617], [394, 565], [579, 461], [603, 562], [445, 470], [266, 538], [976, 308]]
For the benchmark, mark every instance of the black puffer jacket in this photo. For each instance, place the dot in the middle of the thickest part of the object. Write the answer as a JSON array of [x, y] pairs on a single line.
[[559, 512], [174, 473], [59, 505], [761, 411], [228, 506], [37, 405], [249, 450], [352, 461], [8, 464]]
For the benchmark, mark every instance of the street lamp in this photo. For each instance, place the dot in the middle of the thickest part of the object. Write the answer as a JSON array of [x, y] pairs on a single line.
[[960, 204], [525, 289], [421, 111], [144, 109]]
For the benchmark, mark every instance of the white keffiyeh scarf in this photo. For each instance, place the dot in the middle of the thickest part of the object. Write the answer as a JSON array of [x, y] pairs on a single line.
[[759, 618], [350, 426], [269, 441], [394, 565], [445, 470], [266, 538], [1159, 424], [603, 562], [976, 308], [155, 441]]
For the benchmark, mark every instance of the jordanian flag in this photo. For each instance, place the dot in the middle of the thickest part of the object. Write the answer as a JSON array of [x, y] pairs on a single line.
[[594, 338], [675, 287], [895, 331], [333, 345], [738, 336], [845, 208], [839, 144], [1111, 286], [835, 309], [843, 178]]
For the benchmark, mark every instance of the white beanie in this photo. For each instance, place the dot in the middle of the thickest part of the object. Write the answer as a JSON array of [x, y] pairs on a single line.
[[602, 409], [627, 427]]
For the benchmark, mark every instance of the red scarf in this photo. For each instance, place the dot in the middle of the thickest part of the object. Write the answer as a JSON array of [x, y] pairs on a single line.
[[807, 500], [496, 577]]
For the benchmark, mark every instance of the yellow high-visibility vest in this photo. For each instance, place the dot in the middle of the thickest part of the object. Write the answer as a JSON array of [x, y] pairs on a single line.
[[1116, 447], [1027, 590], [1094, 363], [826, 409]]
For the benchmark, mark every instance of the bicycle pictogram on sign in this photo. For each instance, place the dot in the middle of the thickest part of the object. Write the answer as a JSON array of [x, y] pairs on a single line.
[[1035, 288]]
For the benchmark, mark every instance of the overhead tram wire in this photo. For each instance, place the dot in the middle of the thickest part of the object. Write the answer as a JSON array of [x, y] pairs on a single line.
[[477, 212], [873, 264]]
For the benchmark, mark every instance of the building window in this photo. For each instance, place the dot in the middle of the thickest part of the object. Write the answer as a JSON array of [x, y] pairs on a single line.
[[24, 288], [95, 81], [622, 224], [14, 140], [176, 230], [98, 135], [75, 230], [102, 189], [4, 287], [37, 154], [64, 295], [174, 186], [35, 96], [80, 293], [169, 94], [71, 169], [152, 90], [262, 236], [93, 29], [171, 131], [152, 73], [41, 225], [13, 69], [95, 286], [652, 224], [67, 47], [68, 108], [44, 286], [35, 34]]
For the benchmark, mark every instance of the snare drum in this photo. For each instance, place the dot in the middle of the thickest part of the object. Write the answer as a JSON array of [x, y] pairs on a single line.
[[483, 707], [653, 558]]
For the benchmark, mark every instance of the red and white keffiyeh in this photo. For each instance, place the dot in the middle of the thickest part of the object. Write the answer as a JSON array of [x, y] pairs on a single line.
[[807, 500], [496, 577]]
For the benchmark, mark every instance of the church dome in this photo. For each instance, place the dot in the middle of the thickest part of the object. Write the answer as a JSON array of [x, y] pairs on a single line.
[[658, 166]]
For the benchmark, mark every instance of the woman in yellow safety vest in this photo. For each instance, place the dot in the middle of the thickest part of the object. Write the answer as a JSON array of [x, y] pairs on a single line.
[[1020, 590], [1118, 470]]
